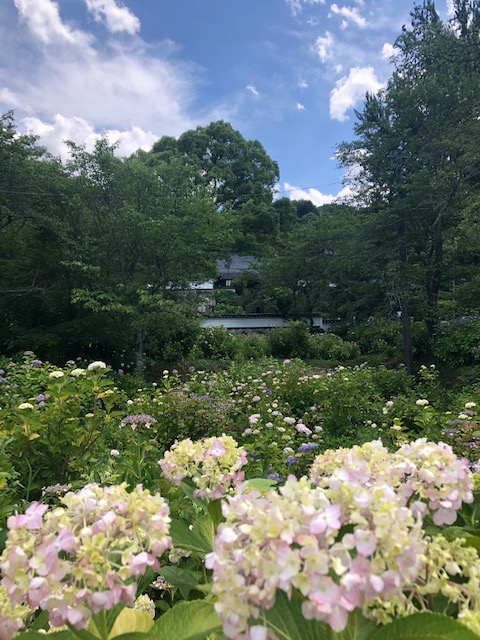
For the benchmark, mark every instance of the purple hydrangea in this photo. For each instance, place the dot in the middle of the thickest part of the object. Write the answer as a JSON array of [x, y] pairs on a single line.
[[305, 448]]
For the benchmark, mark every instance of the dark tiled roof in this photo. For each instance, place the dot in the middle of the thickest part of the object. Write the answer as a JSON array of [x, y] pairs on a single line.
[[236, 265]]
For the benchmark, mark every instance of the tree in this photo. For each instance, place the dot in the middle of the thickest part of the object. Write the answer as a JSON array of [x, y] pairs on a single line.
[[146, 234], [34, 212], [416, 149], [237, 170], [324, 268]]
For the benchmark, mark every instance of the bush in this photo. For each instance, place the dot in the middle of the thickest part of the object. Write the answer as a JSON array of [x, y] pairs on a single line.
[[331, 347], [292, 342], [216, 343], [378, 336], [458, 343], [253, 346]]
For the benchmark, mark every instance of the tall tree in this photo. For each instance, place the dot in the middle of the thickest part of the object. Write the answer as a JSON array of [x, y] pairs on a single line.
[[34, 211], [324, 268], [146, 233], [235, 169], [416, 150]]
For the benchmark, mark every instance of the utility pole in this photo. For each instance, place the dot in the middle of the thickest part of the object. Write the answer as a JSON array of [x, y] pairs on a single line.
[[399, 163]]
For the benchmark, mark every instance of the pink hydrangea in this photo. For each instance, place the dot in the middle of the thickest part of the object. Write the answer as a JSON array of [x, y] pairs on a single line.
[[86, 555], [426, 474], [338, 555], [213, 464]]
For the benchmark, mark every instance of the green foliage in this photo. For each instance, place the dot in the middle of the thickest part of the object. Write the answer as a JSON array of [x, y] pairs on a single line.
[[216, 343], [378, 336], [194, 620], [457, 343], [253, 346], [50, 438], [425, 626], [331, 347], [293, 342]]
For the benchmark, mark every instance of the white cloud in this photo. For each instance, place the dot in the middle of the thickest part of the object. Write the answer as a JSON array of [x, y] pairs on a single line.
[[54, 134], [117, 87], [324, 45], [116, 18], [252, 89], [296, 5], [300, 106], [12, 100], [350, 89], [388, 50], [129, 141], [450, 8], [302, 84], [132, 93], [338, 68], [351, 15], [317, 197], [43, 20]]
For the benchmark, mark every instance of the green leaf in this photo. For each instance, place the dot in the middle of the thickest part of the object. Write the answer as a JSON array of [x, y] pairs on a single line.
[[214, 508], [112, 615], [452, 533], [190, 539], [194, 620], [181, 577], [205, 529], [40, 622], [35, 635], [261, 484], [145, 580], [358, 628], [286, 619], [83, 634], [131, 621], [473, 541], [425, 626], [188, 489]]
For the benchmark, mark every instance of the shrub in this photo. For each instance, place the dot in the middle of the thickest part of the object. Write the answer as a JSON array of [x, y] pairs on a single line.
[[378, 336], [292, 342], [216, 343], [458, 343], [253, 346], [331, 347]]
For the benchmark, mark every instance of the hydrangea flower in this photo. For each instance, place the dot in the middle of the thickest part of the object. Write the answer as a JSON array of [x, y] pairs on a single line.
[[350, 539], [339, 555], [98, 364], [135, 420], [213, 464], [11, 616], [426, 474], [77, 372], [86, 555]]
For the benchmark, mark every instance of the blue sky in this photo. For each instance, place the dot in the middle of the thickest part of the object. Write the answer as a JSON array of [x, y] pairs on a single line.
[[286, 72]]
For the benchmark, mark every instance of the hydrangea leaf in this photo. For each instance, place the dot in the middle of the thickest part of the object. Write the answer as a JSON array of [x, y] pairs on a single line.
[[131, 621], [286, 619], [425, 626], [194, 620]]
